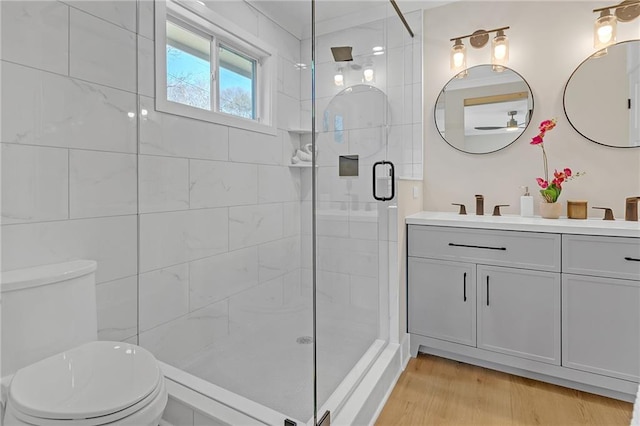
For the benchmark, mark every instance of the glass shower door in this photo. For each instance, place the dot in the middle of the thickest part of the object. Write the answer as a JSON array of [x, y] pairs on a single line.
[[364, 137]]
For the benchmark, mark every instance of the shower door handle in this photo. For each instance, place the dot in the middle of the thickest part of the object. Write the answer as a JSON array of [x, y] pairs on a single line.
[[375, 180]]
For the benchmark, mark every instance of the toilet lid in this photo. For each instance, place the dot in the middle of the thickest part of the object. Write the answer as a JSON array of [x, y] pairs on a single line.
[[95, 379]]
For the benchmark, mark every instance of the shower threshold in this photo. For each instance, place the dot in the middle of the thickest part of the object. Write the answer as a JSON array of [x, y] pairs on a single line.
[[357, 397]]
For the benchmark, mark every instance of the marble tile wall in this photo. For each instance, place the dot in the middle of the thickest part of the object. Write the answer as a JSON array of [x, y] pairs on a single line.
[[219, 211], [69, 145], [181, 215], [199, 230]]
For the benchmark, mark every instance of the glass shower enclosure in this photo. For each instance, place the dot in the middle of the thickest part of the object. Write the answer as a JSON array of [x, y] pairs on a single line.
[[280, 294]]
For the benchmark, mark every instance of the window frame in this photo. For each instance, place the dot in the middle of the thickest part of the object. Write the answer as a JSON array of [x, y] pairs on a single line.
[[201, 20]]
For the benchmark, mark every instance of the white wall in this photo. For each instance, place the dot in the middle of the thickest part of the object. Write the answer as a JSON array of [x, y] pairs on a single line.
[[548, 40]]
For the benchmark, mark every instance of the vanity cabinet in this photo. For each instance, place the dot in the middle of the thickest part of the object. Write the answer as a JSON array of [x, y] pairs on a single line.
[[546, 299], [514, 311]]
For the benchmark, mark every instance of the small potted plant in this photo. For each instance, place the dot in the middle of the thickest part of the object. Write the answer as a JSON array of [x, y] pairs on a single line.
[[550, 191]]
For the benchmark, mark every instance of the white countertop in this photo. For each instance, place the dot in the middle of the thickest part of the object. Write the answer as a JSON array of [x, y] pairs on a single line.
[[615, 228]]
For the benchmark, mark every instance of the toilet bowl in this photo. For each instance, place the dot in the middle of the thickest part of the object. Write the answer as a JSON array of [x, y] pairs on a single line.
[[54, 371], [97, 383]]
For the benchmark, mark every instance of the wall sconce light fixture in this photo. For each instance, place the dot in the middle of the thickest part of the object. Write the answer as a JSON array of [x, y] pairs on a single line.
[[500, 49], [604, 29], [458, 56], [479, 39]]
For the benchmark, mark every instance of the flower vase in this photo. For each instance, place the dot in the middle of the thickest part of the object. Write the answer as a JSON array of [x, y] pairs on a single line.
[[550, 210]]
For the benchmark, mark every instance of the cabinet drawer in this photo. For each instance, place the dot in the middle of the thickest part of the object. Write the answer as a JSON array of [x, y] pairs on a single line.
[[614, 257], [528, 250]]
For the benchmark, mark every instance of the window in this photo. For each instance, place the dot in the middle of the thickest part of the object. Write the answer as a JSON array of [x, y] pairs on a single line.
[[208, 68], [188, 67], [236, 83]]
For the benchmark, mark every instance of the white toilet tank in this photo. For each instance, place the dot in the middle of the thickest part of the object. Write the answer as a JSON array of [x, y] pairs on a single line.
[[46, 310]]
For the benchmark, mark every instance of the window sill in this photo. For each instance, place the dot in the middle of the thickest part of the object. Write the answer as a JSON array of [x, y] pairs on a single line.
[[214, 117]]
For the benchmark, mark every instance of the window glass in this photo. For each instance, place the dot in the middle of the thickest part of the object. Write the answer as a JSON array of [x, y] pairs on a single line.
[[237, 83], [188, 67]]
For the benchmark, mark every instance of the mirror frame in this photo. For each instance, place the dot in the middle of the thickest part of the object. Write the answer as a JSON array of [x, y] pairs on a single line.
[[499, 149], [564, 97]]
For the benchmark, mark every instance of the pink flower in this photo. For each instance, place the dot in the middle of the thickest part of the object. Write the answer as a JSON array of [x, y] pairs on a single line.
[[559, 175], [547, 125], [558, 182], [567, 172], [543, 183], [538, 139]]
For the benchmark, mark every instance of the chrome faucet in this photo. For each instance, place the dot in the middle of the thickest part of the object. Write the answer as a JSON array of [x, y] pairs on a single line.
[[479, 205], [631, 209]]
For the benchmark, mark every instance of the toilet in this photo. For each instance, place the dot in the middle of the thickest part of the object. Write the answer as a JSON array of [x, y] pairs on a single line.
[[54, 371]]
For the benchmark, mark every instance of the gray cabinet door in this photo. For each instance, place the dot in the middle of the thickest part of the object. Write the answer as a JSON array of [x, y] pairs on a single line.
[[519, 313], [442, 300], [601, 325]]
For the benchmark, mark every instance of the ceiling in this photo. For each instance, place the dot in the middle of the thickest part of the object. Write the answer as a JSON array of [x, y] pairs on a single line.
[[295, 15]]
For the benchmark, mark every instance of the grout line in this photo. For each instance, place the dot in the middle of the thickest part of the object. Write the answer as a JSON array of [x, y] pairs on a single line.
[[71, 6], [68, 40], [69, 76]]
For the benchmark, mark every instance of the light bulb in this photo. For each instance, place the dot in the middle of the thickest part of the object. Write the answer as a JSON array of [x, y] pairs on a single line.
[[605, 33], [338, 79], [500, 51], [368, 74], [458, 59]]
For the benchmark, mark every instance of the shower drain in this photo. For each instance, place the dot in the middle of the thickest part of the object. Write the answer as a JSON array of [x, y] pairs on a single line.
[[304, 340]]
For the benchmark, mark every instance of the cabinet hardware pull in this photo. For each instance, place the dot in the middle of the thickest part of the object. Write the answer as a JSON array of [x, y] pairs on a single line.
[[478, 247], [487, 290], [632, 259], [464, 287]]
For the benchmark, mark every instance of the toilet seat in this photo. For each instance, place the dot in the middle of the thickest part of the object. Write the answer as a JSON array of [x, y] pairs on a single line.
[[93, 384]]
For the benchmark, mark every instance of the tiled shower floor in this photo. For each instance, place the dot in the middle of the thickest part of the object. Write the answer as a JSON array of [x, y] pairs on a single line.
[[268, 365]]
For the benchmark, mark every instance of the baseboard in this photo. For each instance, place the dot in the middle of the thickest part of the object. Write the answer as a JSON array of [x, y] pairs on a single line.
[[405, 347], [588, 382]]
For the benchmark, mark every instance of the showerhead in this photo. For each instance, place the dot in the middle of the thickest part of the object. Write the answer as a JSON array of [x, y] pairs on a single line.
[[342, 53]]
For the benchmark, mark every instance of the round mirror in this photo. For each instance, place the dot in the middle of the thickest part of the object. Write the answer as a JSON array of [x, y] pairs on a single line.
[[601, 97], [483, 109]]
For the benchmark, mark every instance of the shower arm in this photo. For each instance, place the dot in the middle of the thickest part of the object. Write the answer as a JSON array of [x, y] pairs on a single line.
[[401, 16]]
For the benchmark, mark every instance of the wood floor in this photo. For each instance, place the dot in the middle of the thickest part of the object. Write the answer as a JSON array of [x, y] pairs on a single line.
[[437, 391]]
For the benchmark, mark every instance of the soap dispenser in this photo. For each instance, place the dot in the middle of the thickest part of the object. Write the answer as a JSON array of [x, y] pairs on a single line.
[[526, 203]]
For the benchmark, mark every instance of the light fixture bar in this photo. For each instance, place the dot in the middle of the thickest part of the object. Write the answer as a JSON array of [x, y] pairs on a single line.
[[618, 6], [477, 33]]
